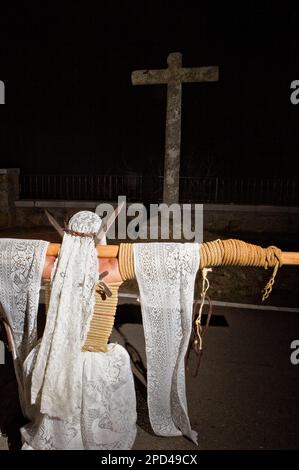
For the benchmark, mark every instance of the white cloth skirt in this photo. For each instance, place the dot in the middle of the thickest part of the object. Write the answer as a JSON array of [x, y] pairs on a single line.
[[107, 420]]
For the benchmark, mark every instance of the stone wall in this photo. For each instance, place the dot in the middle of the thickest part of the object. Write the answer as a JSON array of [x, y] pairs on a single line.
[[32, 213], [226, 218], [231, 218]]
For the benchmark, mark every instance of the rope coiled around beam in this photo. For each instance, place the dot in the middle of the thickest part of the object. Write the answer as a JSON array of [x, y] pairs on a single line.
[[238, 253]]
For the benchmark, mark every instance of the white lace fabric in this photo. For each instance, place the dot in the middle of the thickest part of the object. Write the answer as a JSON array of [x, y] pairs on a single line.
[[57, 374], [75, 399], [84, 400], [107, 418], [21, 265], [166, 274]]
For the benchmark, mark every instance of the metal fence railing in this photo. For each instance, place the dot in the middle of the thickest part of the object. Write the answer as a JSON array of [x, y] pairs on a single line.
[[276, 191], [80, 187]]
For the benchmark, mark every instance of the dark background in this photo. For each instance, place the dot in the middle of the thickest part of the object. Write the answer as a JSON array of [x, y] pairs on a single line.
[[71, 108]]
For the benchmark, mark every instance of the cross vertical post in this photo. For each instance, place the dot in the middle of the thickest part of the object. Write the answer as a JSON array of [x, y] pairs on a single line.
[[173, 77]]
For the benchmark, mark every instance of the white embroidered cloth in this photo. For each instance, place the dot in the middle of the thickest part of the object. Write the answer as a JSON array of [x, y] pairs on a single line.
[[57, 374], [166, 274], [21, 265], [79, 400], [107, 419]]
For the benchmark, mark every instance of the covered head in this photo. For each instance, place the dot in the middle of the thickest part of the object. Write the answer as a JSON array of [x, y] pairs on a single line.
[[85, 224]]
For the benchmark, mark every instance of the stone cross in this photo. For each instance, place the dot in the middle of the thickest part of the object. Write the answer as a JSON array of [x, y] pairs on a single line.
[[173, 77]]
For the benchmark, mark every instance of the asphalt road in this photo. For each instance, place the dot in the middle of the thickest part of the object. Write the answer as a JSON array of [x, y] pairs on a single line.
[[246, 393]]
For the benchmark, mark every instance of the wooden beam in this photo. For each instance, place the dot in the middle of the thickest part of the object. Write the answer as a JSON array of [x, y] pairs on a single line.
[[104, 251], [111, 251], [290, 258]]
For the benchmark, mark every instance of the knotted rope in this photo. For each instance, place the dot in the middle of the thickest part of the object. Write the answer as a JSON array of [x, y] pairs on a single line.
[[236, 252], [230, 253]]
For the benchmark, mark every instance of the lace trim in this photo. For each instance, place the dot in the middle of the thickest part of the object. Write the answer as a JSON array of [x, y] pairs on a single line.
[[21, 265], [166, 274]]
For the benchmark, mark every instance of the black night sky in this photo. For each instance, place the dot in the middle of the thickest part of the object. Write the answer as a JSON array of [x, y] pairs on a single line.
[[71, 107]]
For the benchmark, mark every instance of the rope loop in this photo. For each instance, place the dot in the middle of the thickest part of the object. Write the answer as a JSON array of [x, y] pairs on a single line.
[[236, 252]]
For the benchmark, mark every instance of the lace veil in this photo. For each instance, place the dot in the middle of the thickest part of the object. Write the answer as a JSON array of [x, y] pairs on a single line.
[[57, 375]]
